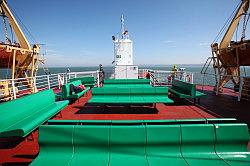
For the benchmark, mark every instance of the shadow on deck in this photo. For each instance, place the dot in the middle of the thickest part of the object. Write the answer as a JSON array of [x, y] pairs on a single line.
[[226, 105]]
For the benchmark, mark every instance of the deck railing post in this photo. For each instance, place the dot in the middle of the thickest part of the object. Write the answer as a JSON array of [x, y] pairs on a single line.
[[217, 85], [66, 80], [98, 79], [154, 77], [13, 88], [151, 79], [171, 80], [240, 88], [48, 81], [158, 77], [192, 78], [60, 80], [34, 84]]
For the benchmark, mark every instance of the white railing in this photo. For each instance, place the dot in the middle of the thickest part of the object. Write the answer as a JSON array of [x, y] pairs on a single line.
[[23, 86], [83, 74], [94, 74], [229, 84], [16, 88], [164, 78]]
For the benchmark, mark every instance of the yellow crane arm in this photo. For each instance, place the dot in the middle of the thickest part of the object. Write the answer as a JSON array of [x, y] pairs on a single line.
[[16, 28], [233, 25]]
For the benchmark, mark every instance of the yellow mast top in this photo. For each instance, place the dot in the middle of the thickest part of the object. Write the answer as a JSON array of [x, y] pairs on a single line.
[[233, 25], [16, 28]]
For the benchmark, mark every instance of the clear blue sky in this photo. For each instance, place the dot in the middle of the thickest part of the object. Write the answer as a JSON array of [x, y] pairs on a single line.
[[78, 33]]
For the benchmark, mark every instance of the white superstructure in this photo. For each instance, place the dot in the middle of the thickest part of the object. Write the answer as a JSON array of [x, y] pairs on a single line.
[[123, 52], [123, 55]]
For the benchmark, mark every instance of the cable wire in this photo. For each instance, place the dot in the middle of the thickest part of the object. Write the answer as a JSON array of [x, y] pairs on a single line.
[[23, 25], [226, 23]]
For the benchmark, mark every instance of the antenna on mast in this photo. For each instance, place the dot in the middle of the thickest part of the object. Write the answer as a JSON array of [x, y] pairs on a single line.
[[124, 33], [122, 26]]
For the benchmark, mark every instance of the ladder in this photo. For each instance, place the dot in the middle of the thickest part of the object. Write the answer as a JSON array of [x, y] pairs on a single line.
[[206, 65]]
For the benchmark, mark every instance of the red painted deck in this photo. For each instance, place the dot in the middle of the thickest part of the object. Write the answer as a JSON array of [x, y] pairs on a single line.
[[23, 151], [80, 110], [226, 105]]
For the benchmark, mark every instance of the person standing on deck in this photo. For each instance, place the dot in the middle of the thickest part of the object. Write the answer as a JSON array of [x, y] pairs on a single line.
[[101, 75], [172, 75]]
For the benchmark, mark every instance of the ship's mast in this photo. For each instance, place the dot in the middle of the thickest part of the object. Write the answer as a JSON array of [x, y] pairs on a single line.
[[122, 26], [124, 33]]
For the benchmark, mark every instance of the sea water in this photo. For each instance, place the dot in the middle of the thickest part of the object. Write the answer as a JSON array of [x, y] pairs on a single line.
[[199, 78]]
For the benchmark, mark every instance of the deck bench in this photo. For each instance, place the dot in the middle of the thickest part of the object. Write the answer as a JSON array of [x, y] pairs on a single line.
[[149, 143], [66, 91], [155, 122], [56, 145], [86, 81], [198, 148], [21, 116], [142, 95], [185, 90], [127, 83], [230, 144]]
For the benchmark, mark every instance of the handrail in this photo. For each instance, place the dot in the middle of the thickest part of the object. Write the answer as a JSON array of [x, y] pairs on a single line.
[[17, 88], [241, 82]]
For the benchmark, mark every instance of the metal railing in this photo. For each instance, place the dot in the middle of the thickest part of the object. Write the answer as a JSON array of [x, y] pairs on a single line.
[[164, 78], [229, 84], [94, 74], [16, 88]]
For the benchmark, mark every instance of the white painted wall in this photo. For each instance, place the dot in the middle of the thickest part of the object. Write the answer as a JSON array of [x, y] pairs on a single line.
[[126, 72], [123, 50]]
